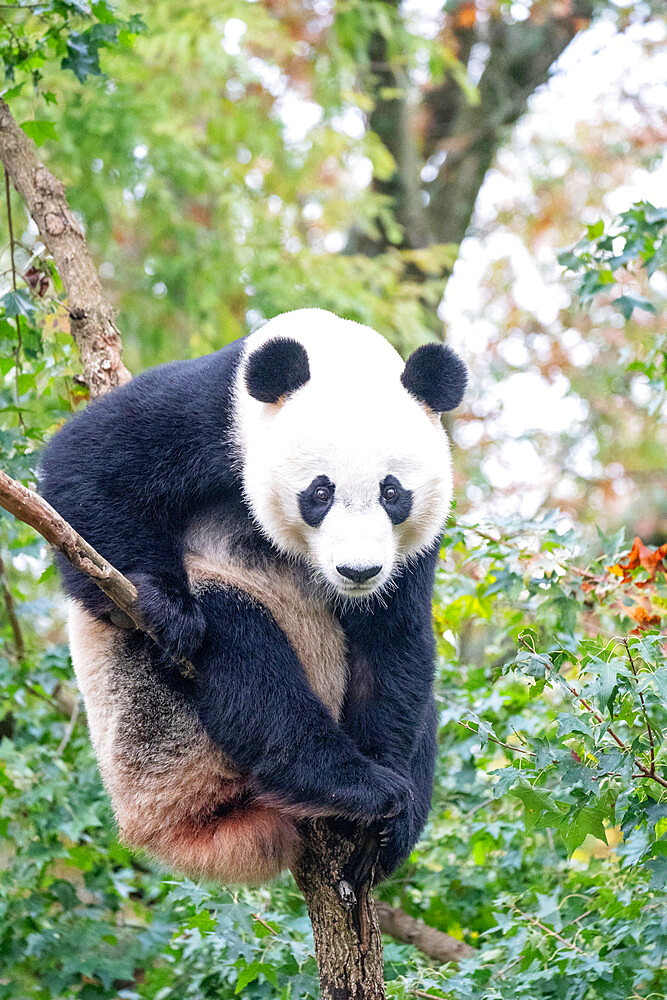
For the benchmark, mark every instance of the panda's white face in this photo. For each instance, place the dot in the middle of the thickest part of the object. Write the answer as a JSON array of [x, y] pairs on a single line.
[[349, 472]]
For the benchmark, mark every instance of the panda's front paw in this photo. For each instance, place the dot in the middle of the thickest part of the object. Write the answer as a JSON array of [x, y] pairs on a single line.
[[396, 842], [171, 614], [392, 794]]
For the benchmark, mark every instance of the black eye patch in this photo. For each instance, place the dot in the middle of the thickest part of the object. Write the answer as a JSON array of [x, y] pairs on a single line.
[[396, 500], [316, 500]]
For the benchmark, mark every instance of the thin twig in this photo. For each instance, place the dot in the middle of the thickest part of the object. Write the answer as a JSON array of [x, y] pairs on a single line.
[[263, 922], [643, 704], [10, 224], [19, 343], [69, 729], [548, 930], [43, 697], [494, 739]]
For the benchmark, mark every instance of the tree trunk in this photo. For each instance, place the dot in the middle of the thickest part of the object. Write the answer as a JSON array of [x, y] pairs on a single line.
[[91, 315], [348, 940], [466, 136]]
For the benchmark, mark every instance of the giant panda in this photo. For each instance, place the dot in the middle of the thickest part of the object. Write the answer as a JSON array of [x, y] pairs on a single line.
[[279, 505]]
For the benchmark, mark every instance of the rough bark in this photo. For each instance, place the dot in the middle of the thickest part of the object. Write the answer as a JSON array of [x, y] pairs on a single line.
[[434, 943], [30, 508], [520, 58], [348, 941], [91, 315]]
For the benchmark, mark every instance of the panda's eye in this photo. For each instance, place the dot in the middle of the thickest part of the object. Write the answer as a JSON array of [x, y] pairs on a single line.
[[316, 500], [322, 494], [396, 500]]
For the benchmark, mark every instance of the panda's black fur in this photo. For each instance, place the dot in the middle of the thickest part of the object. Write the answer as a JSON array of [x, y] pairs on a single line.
[[212, 773]]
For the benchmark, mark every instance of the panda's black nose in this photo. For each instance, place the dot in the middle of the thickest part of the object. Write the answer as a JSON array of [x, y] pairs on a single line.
[[358, 575]]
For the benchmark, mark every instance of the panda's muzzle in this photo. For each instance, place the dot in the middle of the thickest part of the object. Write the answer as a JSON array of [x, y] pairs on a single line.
[[358, 575]]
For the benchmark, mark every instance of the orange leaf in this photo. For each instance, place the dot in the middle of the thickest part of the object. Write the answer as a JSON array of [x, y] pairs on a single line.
[[641, 555], [643, 617], [466, 15]]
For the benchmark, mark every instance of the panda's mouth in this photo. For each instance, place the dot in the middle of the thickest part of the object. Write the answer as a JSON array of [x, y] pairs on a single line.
[[358, 591]]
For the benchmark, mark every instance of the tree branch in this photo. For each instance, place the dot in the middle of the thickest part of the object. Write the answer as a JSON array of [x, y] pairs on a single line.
[[91, 315], [520, 59], [434, 943], [30, 508]]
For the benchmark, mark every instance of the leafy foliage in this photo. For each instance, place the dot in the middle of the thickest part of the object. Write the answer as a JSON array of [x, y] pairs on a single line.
[[547, 844], [637, 239], [70, 31]]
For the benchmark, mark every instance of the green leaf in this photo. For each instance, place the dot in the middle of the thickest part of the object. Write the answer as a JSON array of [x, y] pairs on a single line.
[[39, 130], [595, 230], [573, 724], [652, 214], [658, 869], [247, 975], [577, 827], [607, 681], [540, 808], [627, 303], [17, 303]]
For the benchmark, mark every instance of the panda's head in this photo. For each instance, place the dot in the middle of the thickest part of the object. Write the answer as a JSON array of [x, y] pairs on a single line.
[[344, 460]]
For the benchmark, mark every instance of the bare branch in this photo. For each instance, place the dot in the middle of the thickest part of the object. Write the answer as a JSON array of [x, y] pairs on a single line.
[[69, 729], [645, 713], [12, 617], [494, 739], [432, 942], [32, 509], [91, 315]]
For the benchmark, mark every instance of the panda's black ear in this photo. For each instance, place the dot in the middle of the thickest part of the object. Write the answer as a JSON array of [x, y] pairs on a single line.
[[276, 369], [435, 375]]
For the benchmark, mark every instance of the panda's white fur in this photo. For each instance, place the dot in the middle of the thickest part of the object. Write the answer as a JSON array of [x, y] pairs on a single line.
[[356, 423]]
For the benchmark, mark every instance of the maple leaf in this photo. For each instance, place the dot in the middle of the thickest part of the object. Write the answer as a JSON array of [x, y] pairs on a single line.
[[641, 555]]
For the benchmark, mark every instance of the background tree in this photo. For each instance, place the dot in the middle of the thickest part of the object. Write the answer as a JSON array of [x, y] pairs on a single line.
[[237, 160]]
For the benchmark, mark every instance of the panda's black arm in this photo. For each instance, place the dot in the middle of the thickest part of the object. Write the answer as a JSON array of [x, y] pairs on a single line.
[[402, 832], [255, 703], [392, 654]]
